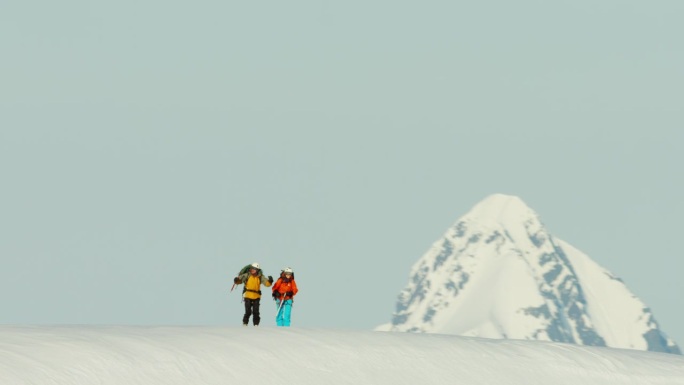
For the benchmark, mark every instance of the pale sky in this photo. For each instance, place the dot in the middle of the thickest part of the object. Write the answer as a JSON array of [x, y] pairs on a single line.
[[149, 149]]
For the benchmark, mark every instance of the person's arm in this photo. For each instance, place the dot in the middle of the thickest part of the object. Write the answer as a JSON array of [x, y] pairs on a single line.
[[294, 288], [276, 289], [241, 278], [267, 282]]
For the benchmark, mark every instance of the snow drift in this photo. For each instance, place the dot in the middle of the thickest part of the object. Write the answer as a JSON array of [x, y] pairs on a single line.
[[71, 355]]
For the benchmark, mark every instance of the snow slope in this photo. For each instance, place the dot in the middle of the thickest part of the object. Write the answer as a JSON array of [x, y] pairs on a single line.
[[79, 355]]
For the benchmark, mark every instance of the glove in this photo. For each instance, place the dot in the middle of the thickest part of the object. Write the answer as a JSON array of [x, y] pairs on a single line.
[[270, 279], [276, 294], [289, 294], [236, 280]]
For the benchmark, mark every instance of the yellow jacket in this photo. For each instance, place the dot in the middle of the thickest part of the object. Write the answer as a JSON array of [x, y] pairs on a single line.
[[253, 284]]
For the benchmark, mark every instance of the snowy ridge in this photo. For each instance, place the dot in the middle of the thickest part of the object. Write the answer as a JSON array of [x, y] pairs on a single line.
[[498, 273], [213, 355]]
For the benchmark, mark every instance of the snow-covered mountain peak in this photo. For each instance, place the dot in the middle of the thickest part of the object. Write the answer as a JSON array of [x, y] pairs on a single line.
[[500, 208], [506, 216], [498, 273]]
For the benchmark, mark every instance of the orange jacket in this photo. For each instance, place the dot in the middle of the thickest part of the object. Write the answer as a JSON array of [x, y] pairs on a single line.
[[283, 287]]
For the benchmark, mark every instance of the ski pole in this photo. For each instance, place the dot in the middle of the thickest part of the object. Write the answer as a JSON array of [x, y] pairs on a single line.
[[282, 300]]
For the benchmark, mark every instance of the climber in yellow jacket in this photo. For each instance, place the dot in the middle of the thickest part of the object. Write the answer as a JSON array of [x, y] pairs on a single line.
[[251, 293]]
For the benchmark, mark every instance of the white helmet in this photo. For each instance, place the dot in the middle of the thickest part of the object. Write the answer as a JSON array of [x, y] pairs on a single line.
[[287, 270], [256, 265]]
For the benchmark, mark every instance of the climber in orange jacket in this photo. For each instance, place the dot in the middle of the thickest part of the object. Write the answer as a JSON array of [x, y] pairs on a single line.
[[284, 291]]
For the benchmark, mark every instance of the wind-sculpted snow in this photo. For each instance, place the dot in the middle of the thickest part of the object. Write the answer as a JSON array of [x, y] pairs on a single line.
[[498, 273], [267, 355]]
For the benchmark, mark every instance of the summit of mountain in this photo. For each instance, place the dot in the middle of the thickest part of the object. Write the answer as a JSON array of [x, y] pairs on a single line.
[[499, 273]]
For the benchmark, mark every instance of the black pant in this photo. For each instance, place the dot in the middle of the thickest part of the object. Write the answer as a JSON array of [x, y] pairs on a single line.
[[251, 307]]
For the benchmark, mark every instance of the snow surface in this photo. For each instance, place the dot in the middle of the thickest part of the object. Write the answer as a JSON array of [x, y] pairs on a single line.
[[127, 355]]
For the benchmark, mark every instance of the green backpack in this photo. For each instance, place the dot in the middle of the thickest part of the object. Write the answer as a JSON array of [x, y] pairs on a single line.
[[245, 269]]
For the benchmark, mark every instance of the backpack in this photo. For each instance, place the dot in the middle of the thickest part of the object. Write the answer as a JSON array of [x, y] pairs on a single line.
[[245, 269]]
